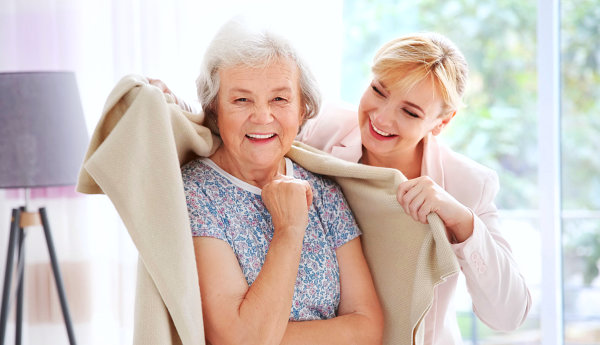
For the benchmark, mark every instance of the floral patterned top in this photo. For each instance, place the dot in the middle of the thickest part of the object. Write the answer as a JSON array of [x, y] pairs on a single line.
[[227, 208]]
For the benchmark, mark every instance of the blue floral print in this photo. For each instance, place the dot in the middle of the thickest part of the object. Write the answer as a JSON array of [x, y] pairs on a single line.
[[223, 207]]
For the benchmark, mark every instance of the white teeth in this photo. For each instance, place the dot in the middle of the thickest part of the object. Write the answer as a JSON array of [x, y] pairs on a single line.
[[379, 131], [260, 136]]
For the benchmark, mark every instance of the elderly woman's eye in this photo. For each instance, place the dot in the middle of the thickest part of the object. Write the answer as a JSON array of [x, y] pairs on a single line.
[[278, 99], [241, 99]]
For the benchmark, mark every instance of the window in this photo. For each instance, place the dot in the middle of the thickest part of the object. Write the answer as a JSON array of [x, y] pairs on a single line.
[[499, 128], [580, 188]]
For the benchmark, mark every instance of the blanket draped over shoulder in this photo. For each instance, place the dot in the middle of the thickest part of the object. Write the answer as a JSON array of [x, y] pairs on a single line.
[[134, 157]]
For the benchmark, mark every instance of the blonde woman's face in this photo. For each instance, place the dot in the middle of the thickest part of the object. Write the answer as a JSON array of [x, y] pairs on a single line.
[[393, 122]]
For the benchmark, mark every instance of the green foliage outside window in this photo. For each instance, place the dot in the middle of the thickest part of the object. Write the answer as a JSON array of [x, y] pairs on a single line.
[[580, 62], [498, 128], [580, 122]]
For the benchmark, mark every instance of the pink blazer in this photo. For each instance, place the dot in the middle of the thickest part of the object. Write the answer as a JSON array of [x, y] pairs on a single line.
[[500, 296]]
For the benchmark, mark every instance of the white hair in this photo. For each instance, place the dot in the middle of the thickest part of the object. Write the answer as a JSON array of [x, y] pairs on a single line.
[[240, 43]]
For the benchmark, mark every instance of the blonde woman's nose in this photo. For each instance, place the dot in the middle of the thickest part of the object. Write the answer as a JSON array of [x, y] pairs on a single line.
[[383, 115]]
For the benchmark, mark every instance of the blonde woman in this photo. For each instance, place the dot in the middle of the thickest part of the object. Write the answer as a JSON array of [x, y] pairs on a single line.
[[417, 88]]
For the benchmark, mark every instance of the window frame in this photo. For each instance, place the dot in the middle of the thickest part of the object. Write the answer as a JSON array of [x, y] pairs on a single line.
[[549, 174]]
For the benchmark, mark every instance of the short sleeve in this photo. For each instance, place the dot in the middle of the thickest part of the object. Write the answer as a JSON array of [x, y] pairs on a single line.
[[335, 213], [204, 214]]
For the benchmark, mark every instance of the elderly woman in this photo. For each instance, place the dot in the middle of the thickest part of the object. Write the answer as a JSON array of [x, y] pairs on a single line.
[[275, 244]]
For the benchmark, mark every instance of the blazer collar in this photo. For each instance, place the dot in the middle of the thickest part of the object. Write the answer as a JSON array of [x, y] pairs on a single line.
[[350, 147]]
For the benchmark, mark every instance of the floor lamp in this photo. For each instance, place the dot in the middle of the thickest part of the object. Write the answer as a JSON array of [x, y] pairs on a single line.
[[42, 143]]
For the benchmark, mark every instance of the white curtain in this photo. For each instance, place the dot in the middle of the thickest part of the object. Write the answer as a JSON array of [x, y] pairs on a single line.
[[101, 41]]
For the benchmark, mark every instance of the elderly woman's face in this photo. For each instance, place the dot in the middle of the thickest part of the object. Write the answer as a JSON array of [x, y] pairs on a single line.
[[258, 112]]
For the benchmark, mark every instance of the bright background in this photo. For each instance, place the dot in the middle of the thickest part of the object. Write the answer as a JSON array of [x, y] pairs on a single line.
[[531, 114]]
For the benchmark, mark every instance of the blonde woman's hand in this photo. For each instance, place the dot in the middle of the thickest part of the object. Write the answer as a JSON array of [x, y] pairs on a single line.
[[165, 89], [161, 85], [421, 196], [287, 199]]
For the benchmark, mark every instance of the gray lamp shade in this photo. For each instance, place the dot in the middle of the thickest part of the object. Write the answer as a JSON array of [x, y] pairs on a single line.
[[43, 136]]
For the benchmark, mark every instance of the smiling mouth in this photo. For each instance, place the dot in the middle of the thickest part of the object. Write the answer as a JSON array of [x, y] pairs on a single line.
[[260, 136], [379, 131]]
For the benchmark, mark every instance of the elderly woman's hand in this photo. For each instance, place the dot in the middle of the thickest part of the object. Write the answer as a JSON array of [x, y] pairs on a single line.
[[287, 200], [421, 196]]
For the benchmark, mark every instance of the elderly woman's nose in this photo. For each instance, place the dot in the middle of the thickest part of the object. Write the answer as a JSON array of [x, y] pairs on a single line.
[[262, 113]]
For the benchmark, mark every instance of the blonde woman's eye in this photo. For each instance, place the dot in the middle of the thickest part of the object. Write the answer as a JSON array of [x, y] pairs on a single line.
[[377, 90], [410, 113]]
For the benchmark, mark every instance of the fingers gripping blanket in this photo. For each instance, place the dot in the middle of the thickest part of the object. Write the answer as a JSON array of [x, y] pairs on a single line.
[[134, 158]]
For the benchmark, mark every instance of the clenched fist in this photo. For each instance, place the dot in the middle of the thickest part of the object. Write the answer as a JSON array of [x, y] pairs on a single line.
[[287, 199]]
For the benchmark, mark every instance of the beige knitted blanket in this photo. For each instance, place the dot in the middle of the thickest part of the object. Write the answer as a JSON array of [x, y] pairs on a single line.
[[134, 158]]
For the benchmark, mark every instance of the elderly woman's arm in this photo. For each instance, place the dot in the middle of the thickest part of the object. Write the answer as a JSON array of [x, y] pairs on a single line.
[[235, 313], [360, 318]]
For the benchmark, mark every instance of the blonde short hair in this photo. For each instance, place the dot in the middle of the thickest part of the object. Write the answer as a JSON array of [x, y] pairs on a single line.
[[408, 60]]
